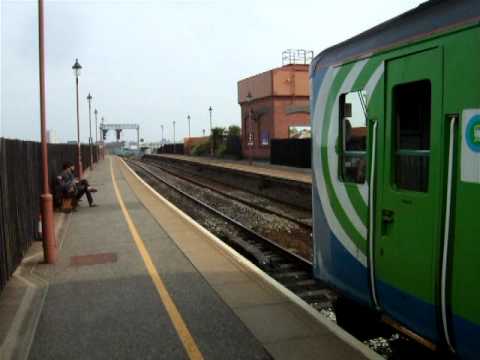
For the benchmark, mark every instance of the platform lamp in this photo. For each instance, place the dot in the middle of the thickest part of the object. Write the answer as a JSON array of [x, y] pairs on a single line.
[[103, 137], [48, 225], [90, 139], [188, 119], [96, 125], [249, 133], [211, 133], [76, 71]]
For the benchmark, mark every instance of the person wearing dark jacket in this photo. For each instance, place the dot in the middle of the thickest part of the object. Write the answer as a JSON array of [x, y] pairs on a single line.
[[70, 186]]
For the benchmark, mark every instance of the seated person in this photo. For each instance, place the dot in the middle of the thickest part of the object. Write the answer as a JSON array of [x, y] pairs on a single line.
[[72, 187]]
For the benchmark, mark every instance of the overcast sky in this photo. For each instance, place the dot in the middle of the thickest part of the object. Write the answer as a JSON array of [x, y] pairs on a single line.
[[152, 62]]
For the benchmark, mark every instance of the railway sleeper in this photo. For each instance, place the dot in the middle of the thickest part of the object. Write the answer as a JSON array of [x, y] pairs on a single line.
[[252, 250], [305, 289], [278, 266], [314, 298], [291, 275]]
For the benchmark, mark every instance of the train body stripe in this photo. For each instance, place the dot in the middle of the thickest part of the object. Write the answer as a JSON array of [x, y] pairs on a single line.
[[344, 205], [335, 216], [332, 130], [332, 220]]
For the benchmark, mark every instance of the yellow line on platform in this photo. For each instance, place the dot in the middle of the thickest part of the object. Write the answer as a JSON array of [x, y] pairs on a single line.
[[181, 328]]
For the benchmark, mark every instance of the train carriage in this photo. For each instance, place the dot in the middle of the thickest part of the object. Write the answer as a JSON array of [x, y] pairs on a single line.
[[396, 167]]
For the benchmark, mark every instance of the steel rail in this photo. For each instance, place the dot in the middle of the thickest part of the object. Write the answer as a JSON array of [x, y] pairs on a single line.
[[253, 234], [233, 197]]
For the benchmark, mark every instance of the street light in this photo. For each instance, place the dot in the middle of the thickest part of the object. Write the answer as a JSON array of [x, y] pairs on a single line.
[[90, 140], [174, 145], [249, 134], [96, 126], [48, 225], [211, 134], [76, 71], [188, 118]]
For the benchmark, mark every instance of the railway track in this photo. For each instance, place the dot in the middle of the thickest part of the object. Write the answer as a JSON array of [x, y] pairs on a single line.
[[302, 218], [288, 268]]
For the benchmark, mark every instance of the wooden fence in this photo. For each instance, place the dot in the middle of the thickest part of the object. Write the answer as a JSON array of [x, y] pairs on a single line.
[[20, 189]]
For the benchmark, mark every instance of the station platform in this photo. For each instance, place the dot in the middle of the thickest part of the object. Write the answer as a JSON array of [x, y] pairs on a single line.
[[138, 279], [257, 167]]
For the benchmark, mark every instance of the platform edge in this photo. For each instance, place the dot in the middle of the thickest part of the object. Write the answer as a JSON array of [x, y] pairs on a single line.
[[335, 329]]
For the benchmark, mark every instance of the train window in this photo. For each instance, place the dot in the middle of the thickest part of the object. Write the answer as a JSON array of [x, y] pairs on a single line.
[[353, 133], [412, 116]]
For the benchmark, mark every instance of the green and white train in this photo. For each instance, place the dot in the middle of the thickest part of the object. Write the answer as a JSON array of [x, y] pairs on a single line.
[[396, 163]]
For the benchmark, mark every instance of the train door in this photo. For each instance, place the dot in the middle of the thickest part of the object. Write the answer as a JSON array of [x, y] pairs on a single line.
[[409, 191]]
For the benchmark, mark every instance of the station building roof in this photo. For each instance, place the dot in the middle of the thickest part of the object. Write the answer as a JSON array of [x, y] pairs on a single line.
[[429, 18]]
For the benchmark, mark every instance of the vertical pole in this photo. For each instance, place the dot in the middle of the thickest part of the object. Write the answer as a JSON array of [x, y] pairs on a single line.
[[174, 145], [250, 144], [90, 139], [162, 135], [79, 155], [188, 118], [96, 127], [211, 134], [48, 225], [138, 138]]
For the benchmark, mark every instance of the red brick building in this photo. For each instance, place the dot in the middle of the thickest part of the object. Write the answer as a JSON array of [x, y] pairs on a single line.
[[278, 101]]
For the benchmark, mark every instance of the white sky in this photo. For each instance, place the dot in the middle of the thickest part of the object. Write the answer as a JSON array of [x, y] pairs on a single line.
[[152, 62]]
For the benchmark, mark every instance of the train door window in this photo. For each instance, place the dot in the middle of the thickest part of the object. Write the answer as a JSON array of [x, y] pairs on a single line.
[[412, 116], [353, 130]]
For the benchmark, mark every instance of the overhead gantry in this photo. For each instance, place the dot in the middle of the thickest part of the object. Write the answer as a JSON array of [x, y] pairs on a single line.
[[104, 128]]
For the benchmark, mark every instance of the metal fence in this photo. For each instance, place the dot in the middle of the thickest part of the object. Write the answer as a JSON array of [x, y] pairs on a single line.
[[172, 149], [291, 152], [20, 189]]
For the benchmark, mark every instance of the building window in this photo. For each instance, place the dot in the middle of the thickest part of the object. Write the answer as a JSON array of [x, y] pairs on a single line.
[[412, 118], [264, 138], [353, 134], [299, 132]]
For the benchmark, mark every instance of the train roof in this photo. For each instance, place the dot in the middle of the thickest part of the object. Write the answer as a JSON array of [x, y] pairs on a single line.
[[431, 17]]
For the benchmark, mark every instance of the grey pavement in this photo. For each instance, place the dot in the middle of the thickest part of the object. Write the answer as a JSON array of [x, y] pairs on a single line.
[[112, 310]]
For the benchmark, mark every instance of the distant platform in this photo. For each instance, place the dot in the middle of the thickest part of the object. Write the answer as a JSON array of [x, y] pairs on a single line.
[[261, 168]]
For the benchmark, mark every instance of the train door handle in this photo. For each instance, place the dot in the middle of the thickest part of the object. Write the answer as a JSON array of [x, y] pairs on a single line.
[[387, 216]]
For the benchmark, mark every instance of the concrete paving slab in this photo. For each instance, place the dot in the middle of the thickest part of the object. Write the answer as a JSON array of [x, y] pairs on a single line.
[[112, 310], [274, 324], [246, 294], [314, 348]]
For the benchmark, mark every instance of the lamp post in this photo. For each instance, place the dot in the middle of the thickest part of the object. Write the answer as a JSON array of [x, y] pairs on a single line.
[[188, 119], [211, 134], [76, 71], [90, 139], [96, 126], [249, 134], [162, 134], [102, 136], [48, 225], [174, 145]]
